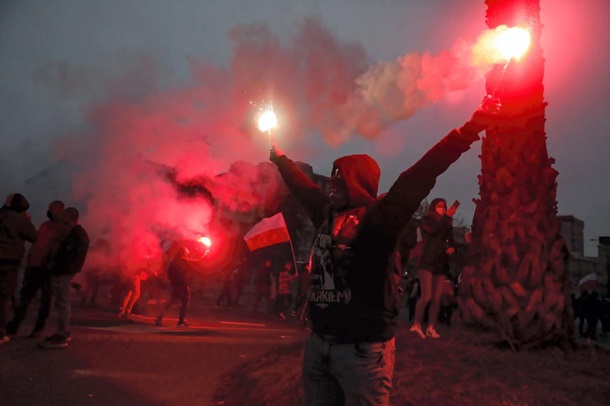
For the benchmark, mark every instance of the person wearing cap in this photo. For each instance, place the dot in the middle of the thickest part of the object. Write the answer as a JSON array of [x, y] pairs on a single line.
[[353, 293], [15, 229], [37, 275], [66, 262]]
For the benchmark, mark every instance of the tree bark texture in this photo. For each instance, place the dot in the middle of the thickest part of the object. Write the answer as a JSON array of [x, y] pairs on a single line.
[[516, 283]]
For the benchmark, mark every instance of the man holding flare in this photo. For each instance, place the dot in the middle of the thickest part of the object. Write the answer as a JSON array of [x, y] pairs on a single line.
[[353, 297]]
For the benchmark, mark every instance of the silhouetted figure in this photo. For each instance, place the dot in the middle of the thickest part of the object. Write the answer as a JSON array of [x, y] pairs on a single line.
[[178, 274], [37, 275], [15, 229], [67, 262], [283, 295], [226, 292], [262, 285], [593, 312]]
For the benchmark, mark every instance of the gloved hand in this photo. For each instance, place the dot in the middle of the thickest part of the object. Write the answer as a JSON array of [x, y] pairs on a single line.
[[275, 153], [486, 115]]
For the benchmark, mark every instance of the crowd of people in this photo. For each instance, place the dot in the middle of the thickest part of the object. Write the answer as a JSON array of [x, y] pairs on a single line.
[[591, 311], [353, 295], [58, 252], [351, 290]]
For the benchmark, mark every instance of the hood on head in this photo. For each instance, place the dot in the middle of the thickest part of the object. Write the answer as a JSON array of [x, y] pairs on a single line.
[[433, 204], [361, 175], [17, 202]]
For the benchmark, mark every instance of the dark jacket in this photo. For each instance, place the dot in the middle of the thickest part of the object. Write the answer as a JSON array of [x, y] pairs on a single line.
[[178, 271], [15, 229], [72, 252], [49, 235], [437, 236], [353, 294]]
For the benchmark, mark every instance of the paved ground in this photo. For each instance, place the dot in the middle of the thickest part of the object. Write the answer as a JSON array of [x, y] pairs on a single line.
[[114, 362]]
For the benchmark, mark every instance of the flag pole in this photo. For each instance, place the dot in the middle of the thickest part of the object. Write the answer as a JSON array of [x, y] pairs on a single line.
[[294, 258]]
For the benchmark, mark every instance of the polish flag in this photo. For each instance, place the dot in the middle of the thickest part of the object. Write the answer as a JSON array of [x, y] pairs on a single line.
[[269, 231]]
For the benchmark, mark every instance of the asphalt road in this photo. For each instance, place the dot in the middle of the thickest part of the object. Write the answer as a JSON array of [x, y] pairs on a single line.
[[112, 362]]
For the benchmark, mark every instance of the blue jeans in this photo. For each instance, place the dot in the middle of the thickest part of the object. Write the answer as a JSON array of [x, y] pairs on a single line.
[[60, 287], [347, 374]]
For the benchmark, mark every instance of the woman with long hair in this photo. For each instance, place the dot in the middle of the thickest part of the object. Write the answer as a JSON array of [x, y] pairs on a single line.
[[433, 264]]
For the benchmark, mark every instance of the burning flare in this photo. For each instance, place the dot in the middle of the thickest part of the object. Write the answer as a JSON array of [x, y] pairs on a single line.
[[513, 42], [267, 120], [205, 241]]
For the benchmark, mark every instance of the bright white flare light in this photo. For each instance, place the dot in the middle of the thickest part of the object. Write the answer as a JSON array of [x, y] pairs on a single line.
[[205, 241], [267, 121], [513, 42]]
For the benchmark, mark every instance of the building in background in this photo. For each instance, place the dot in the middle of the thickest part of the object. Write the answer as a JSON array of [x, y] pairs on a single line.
[[579, 265], [603, 270]]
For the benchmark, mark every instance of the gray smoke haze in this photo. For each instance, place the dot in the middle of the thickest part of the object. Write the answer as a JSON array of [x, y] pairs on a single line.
[[142, 123]]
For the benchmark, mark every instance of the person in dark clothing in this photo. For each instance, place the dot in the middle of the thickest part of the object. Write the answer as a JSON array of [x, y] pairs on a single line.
[[66, 262], [353, 296], [592, 312], [178, 274], [262, 285], [239, 280], [413, 292], [37, 276], [433, 265], [283, 295], [605, 316], [15, 229], [226, 293], [580, 312], [300, 302]]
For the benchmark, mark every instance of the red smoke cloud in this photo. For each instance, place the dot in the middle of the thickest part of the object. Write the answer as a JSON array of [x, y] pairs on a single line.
[[144, 132]]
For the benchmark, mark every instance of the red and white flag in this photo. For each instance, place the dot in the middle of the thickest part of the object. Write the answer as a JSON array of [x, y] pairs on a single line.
[[269, 231]]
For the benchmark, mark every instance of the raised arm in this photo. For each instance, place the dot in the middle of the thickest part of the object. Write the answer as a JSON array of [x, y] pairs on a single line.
[[310, 195], [414, 184]]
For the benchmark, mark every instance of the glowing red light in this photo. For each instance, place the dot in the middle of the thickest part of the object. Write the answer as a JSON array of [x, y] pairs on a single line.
[[205, 241], [513, 42]]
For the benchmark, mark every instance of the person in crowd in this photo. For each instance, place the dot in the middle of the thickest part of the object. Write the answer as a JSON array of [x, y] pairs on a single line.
[[66, 262], [580, 312], [433, 265], [592, 312], [239, 280], [15, 229], [37, 276], [226, 293], [605, 316], [98, 267], [300, 302], [133, 283], [353, 297], [283, 295], [407, 253], [413, 292], [262, 285], [178, 273]]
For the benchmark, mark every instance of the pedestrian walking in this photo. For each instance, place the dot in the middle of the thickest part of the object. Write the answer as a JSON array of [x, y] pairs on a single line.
[[178, 273]]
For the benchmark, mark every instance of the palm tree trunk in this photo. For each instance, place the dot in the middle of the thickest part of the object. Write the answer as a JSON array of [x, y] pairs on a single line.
[[516, 284]]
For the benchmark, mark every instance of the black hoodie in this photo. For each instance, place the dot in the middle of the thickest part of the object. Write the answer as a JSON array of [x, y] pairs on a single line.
[[353, 294]]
